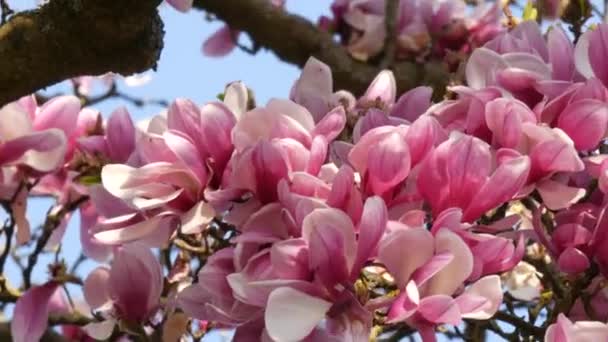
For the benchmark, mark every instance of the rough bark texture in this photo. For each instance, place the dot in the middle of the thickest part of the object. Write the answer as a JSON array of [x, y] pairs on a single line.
[[293, 39], [68, 38]]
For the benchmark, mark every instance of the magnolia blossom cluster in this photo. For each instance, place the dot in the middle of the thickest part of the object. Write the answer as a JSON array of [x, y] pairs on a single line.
[[422, 27], [342, 213]]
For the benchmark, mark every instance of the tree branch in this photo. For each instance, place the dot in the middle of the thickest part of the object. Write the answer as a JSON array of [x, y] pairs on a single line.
[[68, 38], [294, 39]]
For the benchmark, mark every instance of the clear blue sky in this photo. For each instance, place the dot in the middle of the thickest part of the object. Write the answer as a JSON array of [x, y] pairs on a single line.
[[184, 72]]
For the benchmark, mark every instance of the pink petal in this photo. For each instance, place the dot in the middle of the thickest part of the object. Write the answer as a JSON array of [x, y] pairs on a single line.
[[586, 122], [197, 218], [405, 305], [313, 88], [221, 43], [383, 89], [573, 261], [289, 259], [120, 133], [413, 103], [181, 5], [135, 282], [556, 195], [598, 48], [95, 288], [332, 124], [506, 181], [561, 52], [388, 162], [400, 262], [43, 151], [452, 276], [440, 309], [137, 231], [428, 270], [31, 313], [331, 238], [60, 112], [490, 289], [482, 67], [371, 228], [582, 59]]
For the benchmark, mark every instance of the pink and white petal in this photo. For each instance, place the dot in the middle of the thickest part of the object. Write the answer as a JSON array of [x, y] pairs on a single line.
[[291, 315], [581, 55], [400, 262], [490, 289], [506, 181], [332, 124], [452, 276], [371, 228], [137, 231], [31, 313], [383, 89], [60, 112], [197, 218], [482, 68], [42, 151], [598, 48], [95, 288], [405, 305], [557, 196], [413, 103], [428, 270], [440, 309]]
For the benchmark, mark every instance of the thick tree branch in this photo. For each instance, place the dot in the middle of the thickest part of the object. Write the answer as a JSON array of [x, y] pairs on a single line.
[[68, 38], [293, 39]]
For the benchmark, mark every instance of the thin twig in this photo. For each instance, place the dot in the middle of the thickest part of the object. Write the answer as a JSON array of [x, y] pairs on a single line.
[[6, 11], [521, 324], [113, 92], [51, 223]]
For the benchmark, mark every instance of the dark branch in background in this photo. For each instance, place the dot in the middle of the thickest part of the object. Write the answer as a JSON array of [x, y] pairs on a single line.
[[293, 39], [67, 38], [113, 92], [391, 13]]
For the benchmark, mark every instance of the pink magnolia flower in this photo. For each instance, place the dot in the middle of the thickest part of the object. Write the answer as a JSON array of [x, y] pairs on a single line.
[[282, 135], [522, 62], [129, 290], [168, 173], [430, 278], [280, 277], [33, 142], [314, 90], [565, 331], [459, 173]]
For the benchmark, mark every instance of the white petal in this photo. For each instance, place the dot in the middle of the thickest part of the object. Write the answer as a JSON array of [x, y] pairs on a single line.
[[291, 315]]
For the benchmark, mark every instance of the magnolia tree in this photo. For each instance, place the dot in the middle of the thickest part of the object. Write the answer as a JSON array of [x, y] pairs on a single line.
[[439, 168]]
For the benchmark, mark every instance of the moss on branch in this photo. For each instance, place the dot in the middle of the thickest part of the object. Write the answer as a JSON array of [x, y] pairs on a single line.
[[68, 38]]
